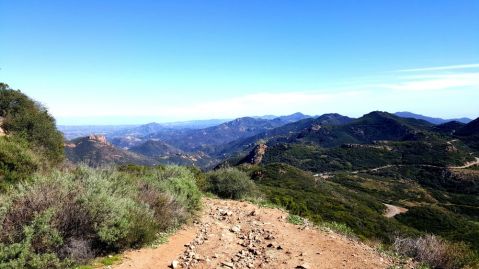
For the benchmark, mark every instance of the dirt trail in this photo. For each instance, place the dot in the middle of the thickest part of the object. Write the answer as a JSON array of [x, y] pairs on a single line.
[[326, 175], [160, 257], [234, 234], [393, 210], [467, 165]]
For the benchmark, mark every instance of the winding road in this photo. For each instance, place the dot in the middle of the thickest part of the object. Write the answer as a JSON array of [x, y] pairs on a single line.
[[467, 165]]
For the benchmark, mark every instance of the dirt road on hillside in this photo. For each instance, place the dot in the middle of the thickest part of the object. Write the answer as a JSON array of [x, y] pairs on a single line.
[[467, 165], [393, 210], [234, 234]]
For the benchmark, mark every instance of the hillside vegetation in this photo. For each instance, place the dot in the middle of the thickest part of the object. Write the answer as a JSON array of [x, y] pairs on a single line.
[[28, 120], [347, 173], [59, 216], [30, 143], [337, 172]]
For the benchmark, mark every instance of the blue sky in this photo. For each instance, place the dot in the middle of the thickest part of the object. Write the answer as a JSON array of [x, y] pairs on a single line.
[[109, 62]]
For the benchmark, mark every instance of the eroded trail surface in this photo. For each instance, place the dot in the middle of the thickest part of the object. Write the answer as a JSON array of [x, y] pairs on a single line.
[[393, 210], [234, 234]]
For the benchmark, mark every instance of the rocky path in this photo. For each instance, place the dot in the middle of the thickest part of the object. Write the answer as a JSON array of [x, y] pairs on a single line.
[[234, 234]]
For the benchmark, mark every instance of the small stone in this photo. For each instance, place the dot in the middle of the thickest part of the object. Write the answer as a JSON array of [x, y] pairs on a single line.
[[303, 266], [269, 237], [228, 264], [235, 229], [174, 264]]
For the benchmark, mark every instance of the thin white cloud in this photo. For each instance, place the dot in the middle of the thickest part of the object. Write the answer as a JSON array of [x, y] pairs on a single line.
[[454, 90], [435, 82], [441, 68]]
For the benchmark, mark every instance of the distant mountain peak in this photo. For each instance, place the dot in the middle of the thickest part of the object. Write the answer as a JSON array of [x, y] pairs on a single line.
[[95, 150], [472, 128], [379, 114], [406, 114]]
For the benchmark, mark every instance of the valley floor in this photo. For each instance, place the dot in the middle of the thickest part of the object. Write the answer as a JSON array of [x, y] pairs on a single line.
[[233, 234]]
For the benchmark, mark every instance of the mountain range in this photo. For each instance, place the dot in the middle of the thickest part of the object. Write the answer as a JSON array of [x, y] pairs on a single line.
[[328, 167], [206, 147], [432, 120]]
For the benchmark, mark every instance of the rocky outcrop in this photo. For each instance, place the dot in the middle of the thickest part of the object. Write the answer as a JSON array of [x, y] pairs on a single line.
[[256, 155], [98, 138], [95, 150]]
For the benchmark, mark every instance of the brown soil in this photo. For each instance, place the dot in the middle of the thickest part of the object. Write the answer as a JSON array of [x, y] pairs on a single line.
[[232, 234]]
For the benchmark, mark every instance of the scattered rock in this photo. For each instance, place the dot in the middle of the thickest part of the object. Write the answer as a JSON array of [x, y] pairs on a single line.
[[224, 212], [228, 264], [235, 229], [244, 242], [175, 264]]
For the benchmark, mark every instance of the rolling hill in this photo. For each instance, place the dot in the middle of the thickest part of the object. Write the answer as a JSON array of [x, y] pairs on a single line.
[[469, 133], [97, 151]]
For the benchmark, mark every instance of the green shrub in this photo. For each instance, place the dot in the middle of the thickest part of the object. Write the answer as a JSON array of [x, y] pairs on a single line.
[[27, 119], [230, 183], [17, 162], [86, 212], [200, 177], [181, 182], [295, 219], [38, 247], [340, 228]]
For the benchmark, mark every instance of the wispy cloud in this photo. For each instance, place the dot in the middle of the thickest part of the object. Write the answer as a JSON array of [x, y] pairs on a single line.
[[434, 82], [431, 90], [441, 68]]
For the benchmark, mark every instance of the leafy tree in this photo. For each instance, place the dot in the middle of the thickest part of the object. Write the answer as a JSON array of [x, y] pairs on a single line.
[[27, 119]]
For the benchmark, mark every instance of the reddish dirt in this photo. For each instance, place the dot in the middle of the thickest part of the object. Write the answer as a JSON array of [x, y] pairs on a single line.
[[160, 257], [233, 234]]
